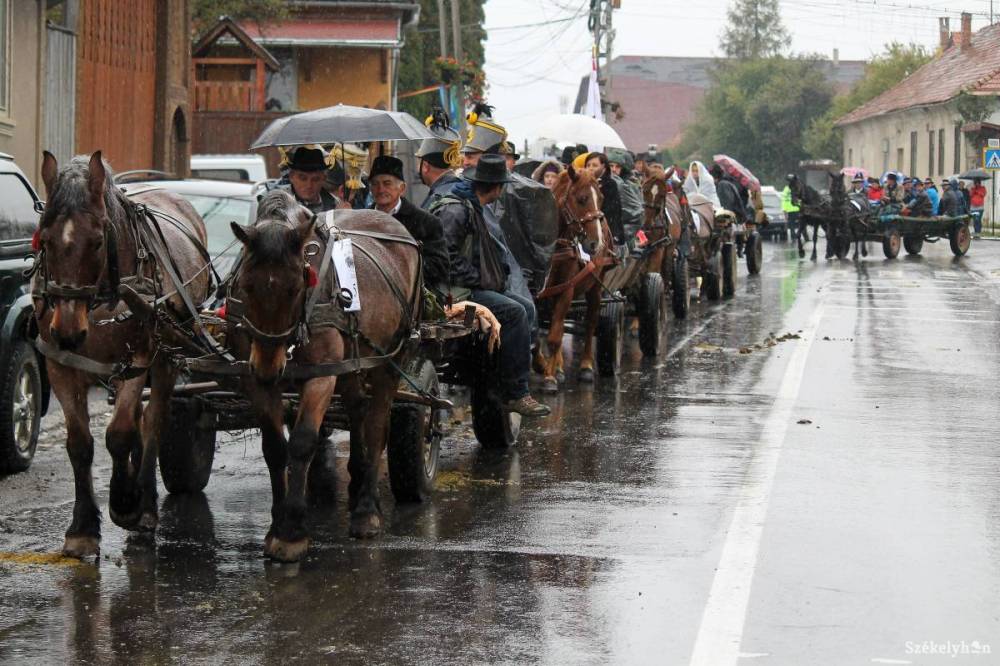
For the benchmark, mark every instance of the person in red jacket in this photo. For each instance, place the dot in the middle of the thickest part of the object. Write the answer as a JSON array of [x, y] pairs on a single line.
[[874, 190], [977, 201]]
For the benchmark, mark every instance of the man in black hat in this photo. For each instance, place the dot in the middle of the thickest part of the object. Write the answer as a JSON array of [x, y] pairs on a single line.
[[480, 273], [387, 187], [306, 178], [439, 157]]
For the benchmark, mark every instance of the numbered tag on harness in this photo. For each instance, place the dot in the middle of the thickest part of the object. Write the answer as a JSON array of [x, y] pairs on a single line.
[[347, 276], [584, 256]]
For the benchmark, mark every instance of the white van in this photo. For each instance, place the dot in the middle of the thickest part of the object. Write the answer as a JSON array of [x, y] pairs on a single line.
[[241, 167]]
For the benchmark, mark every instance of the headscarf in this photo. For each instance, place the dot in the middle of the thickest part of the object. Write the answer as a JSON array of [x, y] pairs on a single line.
[[545, 167], [580, 161], [705, 185]]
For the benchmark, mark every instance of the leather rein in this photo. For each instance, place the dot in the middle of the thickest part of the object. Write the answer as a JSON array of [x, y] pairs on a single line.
[[569, 248]]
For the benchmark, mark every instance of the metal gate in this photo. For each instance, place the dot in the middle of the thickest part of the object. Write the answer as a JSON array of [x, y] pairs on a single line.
[[116, 84], [60, 92]]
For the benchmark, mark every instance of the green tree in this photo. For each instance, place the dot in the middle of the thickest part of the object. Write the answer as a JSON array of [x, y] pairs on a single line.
[[423, 45], [824, 139], [757, 111], [205, 13], [754, 30]]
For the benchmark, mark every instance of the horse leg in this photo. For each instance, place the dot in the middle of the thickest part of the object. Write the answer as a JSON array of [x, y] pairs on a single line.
[[289, 540], [368, 437], [83, 538], [124, 441], [800, 234], [268, 408], [554, 341], [593, 313], [154, 420]]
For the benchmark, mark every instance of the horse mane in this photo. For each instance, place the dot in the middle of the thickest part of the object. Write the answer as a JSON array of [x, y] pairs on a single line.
[[270, 242], [72, 192]]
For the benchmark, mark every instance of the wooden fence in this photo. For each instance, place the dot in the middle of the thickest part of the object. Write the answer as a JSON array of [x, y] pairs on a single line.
[[230, 132]]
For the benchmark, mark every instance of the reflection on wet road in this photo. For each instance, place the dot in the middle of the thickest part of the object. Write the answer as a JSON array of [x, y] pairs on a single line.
[[809, 477]]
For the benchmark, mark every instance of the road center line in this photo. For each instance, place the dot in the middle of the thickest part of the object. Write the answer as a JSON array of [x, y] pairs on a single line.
[[722, 623]]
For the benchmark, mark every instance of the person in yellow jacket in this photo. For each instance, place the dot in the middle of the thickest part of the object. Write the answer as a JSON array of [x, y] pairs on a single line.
[[789, 207]]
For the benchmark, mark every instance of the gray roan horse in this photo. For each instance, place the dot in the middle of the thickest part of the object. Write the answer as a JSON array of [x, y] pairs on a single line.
[[93, 243], [289, 320]]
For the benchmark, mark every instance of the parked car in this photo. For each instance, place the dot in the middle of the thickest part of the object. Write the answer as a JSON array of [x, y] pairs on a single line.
[[24, 387], [778, 228], [246, 167]]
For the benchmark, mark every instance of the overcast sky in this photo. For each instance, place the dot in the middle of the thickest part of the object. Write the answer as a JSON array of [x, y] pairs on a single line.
[[537, 50]]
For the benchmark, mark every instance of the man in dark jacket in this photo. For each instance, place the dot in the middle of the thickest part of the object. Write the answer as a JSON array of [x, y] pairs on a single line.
[[479, 272], [306, 178], [728, 190], [920, 204], [387, 187], [439, 157], [952, 201]]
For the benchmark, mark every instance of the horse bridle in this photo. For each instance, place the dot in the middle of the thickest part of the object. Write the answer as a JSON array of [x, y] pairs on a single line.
[[576, 224], [93, 294]]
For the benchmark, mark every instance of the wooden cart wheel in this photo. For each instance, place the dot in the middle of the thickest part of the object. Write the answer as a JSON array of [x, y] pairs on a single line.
[[610, 338], [913, 244], [415, 438], [652, 314], [755, 254], [711, 281], [187, 449], [960, 239], [680, 291], [890, 243], [494, 426], [729, 268]]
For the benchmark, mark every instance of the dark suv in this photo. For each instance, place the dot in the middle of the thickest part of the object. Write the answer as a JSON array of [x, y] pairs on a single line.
[[24, 391]]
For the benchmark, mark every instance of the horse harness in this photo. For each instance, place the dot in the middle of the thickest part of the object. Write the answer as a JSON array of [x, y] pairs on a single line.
[[144, 295]]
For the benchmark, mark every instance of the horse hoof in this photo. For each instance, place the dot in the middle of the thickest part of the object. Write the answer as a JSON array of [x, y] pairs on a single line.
[[285, 551], [551, 385], [81, 547], [802, 254], [126, 521], [366, 525], [586, 376]]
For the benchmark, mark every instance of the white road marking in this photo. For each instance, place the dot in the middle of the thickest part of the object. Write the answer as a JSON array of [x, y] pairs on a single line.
[[722, 623], [690, 336]]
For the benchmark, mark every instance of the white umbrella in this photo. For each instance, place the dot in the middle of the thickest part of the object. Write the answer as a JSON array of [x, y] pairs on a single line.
[[577, 128]]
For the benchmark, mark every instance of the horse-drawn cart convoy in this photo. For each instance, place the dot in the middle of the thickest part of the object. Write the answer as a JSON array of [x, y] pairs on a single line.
[[330, 319]]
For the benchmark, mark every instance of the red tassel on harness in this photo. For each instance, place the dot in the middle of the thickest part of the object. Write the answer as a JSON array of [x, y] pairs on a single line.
[[36, 241], [641, 236], [311, 278], [221, 312]]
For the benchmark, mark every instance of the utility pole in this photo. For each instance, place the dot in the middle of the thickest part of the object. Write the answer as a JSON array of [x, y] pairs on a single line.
[[604, 36], [443, 28], [456, 32]]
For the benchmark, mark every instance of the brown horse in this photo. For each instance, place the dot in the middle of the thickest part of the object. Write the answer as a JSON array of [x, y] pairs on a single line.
[[283, 252], [93, 242], [584, 251], [662, 217]]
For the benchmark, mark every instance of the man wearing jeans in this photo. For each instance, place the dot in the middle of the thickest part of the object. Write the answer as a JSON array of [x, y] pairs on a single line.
[[480, 273]]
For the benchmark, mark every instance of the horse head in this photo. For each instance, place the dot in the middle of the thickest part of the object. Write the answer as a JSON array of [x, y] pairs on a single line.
[[272, 281], [75, 228], [578, 196], [654, 196]]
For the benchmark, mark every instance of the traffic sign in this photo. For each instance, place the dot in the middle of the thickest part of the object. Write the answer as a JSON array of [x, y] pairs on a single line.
[[991, 159]]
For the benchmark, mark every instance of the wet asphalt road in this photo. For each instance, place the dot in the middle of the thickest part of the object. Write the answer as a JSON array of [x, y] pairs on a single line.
[[833, 498]]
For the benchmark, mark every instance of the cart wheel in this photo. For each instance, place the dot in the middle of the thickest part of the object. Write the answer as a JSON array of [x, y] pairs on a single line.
[[187, 449], [652, 314], [841, 246], [890, 243], [680, 291], [755, 254], [960, 239], [610, 338], [20, 409], [913, 244], [415, 439], [711, 281], [495, 427], [729, 269]]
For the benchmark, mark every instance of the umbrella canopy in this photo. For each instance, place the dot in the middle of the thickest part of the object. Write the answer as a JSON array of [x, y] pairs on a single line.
[[738, 171], [976, 174], [851, 172], [577, 128], [899, 176], [341, 124]]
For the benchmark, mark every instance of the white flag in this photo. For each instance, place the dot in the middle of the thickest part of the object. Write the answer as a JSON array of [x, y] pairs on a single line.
[[594, 109]]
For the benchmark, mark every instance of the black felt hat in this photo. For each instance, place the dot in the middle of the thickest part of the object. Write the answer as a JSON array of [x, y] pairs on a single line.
[[308, 159], [491, 169], [387, 165]]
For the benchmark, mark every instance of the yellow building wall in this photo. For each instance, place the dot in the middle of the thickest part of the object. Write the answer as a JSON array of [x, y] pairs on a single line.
[[341, 75]]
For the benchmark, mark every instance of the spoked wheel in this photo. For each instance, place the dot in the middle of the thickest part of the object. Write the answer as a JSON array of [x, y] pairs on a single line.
[[610, 338], [890, 243], [495, 427], [652, 314], [680, 289], [415, 438], [729, 269], [960, 239], [20, 409], [711, 281], [755, 254], [913, 244], [187, 449]]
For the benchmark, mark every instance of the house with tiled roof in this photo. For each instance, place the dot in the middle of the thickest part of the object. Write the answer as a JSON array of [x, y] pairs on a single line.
[[917, 126]]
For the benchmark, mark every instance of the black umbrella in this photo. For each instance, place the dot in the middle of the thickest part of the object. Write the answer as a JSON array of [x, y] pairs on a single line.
[[976, 174], [341, 124]]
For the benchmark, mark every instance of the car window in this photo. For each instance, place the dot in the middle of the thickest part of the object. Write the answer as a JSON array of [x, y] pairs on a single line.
[[218, 212], [221, 174], [18, 218]]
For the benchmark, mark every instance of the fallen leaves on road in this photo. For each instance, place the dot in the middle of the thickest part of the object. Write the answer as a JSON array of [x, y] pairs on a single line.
[[456, 480], [804, 422]]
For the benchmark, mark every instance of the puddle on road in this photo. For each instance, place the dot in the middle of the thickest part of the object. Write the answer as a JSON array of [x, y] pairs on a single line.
[[39, 559]]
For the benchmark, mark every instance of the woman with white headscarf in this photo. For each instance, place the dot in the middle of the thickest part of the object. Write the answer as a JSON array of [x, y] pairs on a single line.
[[700, 181]]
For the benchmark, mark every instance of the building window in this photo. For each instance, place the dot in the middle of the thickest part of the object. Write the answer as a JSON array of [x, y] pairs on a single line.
[[5, 57], [930, 152], [899, 159], [958, 149], [913, 153], [940, 152]]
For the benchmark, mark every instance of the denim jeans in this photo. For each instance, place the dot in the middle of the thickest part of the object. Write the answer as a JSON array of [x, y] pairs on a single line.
[[515, 339], [977, 219]]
